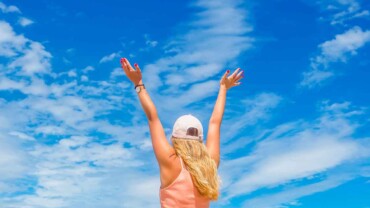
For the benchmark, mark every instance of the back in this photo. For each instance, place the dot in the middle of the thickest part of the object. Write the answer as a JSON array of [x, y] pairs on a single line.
[[182, 193]]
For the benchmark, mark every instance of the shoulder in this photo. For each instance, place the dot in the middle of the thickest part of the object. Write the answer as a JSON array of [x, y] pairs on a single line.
[[170, 172], [170, 161]]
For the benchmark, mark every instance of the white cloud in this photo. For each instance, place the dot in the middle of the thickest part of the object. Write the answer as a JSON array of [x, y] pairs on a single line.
[[362, 14], [149, 42], [71, 50], [8, 84], [77, 170], [35, 60], [340, 12], [30, 56], [251, 111], [21, 135], [12, 160], [51, 130], [216, 28], [72, 73], [339, 49], [23, 21], [116, 72], [74, 169], [9, 9], [314, 78], [284, 198], [110, 57], [84, 78], [195, 93], [301, 152], [300, 161], [343, 45], [34, 87], [10, 43], [195, 59], [14, 163], [88, 69], [37, 87]]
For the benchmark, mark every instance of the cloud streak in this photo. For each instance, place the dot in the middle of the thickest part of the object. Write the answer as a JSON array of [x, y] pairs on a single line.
[[303, 152], [214, 37], [9, 9], [339, 49]]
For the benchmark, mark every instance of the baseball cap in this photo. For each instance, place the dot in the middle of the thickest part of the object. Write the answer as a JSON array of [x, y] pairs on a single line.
[[188, 127]]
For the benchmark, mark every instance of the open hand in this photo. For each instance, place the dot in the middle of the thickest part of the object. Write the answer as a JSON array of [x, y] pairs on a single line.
[[232, 80], [134, 75]]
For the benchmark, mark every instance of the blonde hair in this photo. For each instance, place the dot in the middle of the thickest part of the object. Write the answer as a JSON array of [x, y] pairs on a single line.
[[201, 166]]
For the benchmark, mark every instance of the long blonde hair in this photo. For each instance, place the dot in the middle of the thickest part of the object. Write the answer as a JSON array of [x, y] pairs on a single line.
[[201, 166]]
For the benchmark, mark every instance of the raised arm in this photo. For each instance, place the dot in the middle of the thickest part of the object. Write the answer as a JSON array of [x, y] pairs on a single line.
[[213, 135], [162, 148]]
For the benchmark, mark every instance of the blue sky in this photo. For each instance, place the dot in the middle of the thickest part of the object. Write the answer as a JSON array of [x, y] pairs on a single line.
[[295, 132]]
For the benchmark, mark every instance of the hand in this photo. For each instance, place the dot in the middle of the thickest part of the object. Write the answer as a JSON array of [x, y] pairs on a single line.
[[134, 75], [232, 80]]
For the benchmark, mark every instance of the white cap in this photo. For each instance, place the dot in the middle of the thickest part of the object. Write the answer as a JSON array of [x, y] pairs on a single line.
[[188, 127]]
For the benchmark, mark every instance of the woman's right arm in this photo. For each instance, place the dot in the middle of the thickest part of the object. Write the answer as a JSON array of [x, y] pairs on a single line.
[[213, 135], [161, 146]]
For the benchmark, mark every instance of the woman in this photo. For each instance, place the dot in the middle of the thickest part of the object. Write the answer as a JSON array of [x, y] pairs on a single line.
[[188, 169]]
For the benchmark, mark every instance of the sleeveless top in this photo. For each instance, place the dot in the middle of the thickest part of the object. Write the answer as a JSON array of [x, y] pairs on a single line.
[[182, 193]]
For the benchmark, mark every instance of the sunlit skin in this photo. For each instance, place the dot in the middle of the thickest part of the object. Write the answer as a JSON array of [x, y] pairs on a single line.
[[169, 164]]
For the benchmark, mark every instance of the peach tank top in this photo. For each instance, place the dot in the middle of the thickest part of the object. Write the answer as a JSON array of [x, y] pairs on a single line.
[[182, 193]]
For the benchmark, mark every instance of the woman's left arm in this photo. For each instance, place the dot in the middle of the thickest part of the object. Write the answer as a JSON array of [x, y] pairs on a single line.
[[161, 146]]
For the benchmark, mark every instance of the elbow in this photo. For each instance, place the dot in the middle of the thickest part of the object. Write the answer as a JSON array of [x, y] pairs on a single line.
[[216, 118], [215, 121], [152, 116]]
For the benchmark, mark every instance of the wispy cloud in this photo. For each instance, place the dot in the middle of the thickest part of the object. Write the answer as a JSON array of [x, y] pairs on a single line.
[[340, 12], [195, 59], [9, 9], [110, 57], [289, 197], [339, 49], [23, 21], [214, 37], [10, 43], [304, 151], [149, 42], [30, 56], [342, 46], [252, 110]]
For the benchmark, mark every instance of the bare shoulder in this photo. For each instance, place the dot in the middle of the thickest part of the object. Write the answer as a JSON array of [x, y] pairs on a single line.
[[169, 159], [170, 172]]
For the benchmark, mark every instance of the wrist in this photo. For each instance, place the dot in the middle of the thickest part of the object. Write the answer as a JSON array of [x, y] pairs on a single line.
[[223, 87], [137, 83]]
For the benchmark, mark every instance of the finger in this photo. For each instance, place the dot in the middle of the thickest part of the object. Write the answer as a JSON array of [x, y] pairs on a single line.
[[237, 80], [237, 83], [234, 74], [123, 65], [239, 76], [225, 75], [137, 68], [129, 65]]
